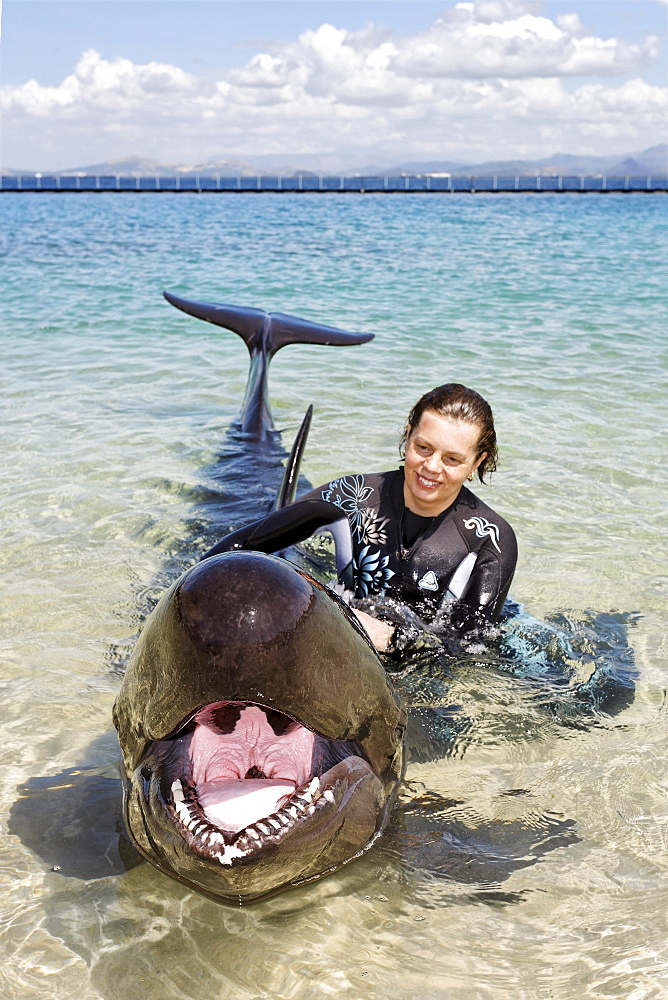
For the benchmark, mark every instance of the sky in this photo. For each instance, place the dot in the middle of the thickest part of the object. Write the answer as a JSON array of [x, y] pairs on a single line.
[[358, 81]]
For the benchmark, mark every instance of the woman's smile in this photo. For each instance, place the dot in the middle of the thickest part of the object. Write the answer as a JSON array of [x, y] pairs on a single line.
[[427, 483]]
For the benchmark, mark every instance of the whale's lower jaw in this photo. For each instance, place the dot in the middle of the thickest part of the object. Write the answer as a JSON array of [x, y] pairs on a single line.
[[240, 834]]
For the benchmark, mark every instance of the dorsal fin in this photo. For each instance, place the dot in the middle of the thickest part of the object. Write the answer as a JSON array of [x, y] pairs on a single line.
[[288, 487]]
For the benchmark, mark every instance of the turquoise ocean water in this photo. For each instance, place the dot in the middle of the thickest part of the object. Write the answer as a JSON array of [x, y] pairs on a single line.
[[113, 403]]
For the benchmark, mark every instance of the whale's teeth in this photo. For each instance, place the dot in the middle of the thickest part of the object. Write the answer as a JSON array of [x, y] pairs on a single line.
[[263, 828], [314, 787], [186, 816], [229, 852], [293, 811], [253, 833], [177, 791], [328, 796], [273, 820]]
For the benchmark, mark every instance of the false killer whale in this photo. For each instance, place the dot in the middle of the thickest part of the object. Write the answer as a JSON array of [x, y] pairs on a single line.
[[262, 739]]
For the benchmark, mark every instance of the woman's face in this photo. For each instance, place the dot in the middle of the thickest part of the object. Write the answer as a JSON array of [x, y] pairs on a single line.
[[441, 453]]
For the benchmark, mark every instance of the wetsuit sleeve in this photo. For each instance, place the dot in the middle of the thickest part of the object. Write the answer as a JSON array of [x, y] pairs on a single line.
[[491, 578], [281, 528]]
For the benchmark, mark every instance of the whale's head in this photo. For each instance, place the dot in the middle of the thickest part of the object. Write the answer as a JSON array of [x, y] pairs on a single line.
[[262, 740]]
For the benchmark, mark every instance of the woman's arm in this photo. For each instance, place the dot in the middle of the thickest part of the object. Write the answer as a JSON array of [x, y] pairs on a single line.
[[490, 579], [473, 601], [380, 632], [281, 528]]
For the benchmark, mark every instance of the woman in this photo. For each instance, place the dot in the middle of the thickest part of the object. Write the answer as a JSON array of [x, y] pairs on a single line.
[[417, 534]]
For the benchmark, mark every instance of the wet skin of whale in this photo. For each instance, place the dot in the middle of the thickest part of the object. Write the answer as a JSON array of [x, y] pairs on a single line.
[[262, 740]]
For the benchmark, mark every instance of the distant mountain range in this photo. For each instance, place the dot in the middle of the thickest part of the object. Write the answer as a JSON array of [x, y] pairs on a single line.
[[650, 161]]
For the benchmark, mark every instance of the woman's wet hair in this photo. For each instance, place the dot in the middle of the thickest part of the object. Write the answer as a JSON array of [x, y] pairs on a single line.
[[458, 402]]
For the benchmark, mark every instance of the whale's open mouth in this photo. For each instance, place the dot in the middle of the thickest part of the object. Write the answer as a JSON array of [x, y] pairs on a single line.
[[245, 776]]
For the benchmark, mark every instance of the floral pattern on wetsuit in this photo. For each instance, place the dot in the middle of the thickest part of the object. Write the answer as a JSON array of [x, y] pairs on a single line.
[[370, 568], [349, 493], [371, 572], [373, 528]]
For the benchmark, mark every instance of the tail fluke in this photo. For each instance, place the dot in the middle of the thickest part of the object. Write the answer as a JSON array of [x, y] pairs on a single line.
[[288, 487], [267, 330], [243, 320], [264, 333], [284, 329]]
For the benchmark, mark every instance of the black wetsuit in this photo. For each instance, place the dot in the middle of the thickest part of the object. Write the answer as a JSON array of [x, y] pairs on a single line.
[[464, 556]]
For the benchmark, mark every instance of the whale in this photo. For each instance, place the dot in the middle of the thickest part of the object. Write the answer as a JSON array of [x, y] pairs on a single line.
[[262, 740]]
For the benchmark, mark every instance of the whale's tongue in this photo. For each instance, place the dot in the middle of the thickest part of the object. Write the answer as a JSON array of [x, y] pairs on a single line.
[[246, 762], [234, 805]]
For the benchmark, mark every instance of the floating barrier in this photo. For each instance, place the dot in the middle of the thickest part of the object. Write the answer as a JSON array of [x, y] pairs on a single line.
[[409, 184]]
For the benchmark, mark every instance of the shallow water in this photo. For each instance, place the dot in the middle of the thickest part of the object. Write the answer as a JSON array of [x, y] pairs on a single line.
[[114, 403]]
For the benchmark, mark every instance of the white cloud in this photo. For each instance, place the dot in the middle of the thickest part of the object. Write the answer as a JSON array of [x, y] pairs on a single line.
[[471, 40], [485, 78], [116, 85]]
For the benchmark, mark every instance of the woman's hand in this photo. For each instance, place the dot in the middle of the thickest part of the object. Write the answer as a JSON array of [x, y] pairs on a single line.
[[378, 631]]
